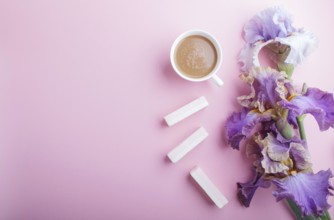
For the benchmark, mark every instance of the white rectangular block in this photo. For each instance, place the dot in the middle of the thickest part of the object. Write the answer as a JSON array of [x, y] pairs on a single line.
[[186, 110], [187, 145], [211, 190]]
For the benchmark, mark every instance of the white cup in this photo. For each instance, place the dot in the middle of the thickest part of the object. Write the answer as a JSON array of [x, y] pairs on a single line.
[[213, 74]]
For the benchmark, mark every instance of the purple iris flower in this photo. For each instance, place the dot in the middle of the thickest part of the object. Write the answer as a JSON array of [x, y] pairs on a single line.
[[276, 158], [288, 166], [268, 24], [273, 28], [270, 121]]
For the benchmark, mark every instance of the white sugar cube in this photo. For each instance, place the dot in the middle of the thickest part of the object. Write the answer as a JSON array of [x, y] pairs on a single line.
[[186, 110], [211, 190], [187, 145]]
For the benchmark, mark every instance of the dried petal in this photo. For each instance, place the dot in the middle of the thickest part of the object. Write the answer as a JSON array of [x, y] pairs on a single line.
[[267, 88], [275, 155]]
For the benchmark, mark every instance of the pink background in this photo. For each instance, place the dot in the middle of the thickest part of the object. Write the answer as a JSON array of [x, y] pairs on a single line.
[[84, 86]]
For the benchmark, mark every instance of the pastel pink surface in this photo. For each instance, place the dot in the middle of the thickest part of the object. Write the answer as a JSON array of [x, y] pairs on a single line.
[[84, 86]]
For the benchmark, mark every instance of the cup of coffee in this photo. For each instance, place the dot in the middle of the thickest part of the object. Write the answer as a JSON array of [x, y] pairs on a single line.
[[196, 56]]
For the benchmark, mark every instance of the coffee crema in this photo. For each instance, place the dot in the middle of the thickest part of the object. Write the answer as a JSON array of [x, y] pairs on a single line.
[[195, 56]]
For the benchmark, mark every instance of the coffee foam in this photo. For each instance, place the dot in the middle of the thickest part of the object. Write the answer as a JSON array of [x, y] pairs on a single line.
[[196, 56]]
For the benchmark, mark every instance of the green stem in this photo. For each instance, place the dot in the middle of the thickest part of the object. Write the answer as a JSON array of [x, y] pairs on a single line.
[[328, 217], [299, 216], [295, 209], [300, 121]]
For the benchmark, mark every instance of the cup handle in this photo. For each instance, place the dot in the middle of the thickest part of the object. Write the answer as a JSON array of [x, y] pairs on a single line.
[[217, 80]]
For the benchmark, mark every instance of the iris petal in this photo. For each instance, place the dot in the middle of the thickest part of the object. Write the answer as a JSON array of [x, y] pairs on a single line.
[[274, 155], [249, 55], [301, 44], [318, 103], [246, 58], [246, 190], [274, 25], [267, 88], [301, 157], [268, 24], [309, 191], [240, 125], [276, 151]]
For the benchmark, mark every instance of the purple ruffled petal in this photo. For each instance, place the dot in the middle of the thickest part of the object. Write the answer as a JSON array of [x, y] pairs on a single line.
[[292, 49], [275, 156], [276, 151], [273, 167], [246, 190], [253, 149], [267, 88], [274, 25], [301, 157], [240, 125], [246, 58], [268, 24], [318, 103], [294, 139], [309, 191], [292, 118], [249, 55], [254, 152]]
